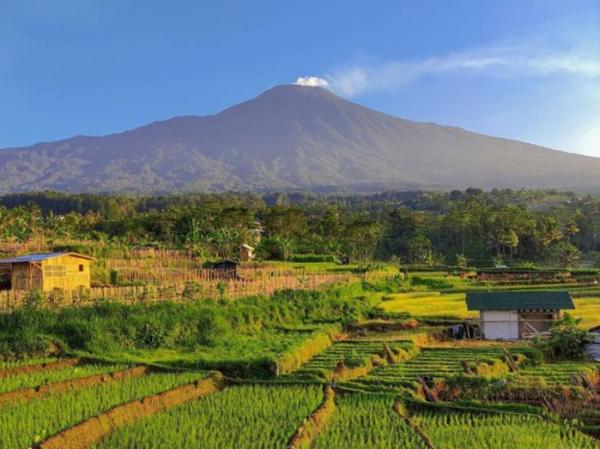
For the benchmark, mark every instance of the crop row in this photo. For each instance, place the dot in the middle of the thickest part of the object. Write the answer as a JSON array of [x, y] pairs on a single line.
[[367, 422], [555, 373], [26, 423], [35, 379], [432, 362], [350, 354], [257, 417], [498, 431]]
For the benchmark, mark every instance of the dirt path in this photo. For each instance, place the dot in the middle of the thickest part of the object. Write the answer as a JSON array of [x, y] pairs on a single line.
[[70, 384], [48, 366], [91, 431], [315, 423]]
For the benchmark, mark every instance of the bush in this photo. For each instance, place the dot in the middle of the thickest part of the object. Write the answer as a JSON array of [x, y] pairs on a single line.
[[114, 277], [567, 341]]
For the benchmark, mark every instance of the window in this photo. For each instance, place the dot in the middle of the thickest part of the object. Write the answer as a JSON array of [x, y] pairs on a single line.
[[81, 269]]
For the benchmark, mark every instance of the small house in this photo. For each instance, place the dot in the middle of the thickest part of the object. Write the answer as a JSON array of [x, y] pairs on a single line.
[[225, 269], [513, 315], [246, 253], [47, 271]]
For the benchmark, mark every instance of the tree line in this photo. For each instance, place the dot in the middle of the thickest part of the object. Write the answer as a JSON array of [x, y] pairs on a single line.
[[471, 227]]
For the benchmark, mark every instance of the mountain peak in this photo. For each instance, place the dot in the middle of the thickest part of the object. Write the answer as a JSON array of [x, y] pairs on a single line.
[[291, 137]]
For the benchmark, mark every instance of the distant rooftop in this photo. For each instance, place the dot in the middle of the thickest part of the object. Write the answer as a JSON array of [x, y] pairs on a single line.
[[520, 300], [39, 257]]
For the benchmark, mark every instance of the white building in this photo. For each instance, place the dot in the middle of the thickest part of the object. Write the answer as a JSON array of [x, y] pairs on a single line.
[[513, 315]]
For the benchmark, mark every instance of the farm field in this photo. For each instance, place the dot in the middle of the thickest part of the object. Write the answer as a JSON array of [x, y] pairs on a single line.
[[367, 422], [442, 306], [35, 379], [244, 417], [498, 431], [25, 423], [353, 355], [277, 353]]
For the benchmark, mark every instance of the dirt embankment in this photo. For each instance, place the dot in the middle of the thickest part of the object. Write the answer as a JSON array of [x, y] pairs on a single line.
[[91, 431], [29, 369], [398, 408], [70, 384], [315, 423]]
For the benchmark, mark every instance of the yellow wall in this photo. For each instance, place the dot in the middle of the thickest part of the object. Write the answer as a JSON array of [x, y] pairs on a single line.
[[59, 272]]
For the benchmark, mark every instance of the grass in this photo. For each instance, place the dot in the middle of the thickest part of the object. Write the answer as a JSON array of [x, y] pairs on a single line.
[[25, 424], [367, 422], [245, 417], [241, 354], [498, 431], [35, 379], [429, 305]]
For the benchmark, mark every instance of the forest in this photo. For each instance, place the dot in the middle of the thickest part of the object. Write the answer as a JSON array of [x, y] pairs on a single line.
[[522, 228]]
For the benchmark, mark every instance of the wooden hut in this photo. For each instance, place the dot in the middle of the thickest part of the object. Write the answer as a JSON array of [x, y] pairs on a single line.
[[225, 269], [47, 271], [512, 315]]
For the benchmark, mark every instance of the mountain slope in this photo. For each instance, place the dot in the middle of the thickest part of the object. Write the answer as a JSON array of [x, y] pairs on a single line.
[[291, 137]]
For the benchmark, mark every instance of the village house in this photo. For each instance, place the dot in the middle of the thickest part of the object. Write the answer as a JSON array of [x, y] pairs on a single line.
[[513, 315], [47, 271]]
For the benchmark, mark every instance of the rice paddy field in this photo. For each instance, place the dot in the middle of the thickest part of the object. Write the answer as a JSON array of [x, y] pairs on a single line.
[[36, 379], [498, 431], [252, 411], [438, 305], [244, 417], [353, 354], [24, 423], [367, 422]]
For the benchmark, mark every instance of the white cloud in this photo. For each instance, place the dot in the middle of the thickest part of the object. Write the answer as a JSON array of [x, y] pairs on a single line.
[[525, 59], [312, 81]]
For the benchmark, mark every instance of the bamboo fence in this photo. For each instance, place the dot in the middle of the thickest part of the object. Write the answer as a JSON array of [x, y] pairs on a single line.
[[216, 286]]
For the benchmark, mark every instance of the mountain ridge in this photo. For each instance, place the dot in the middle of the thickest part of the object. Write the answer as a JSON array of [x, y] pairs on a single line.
[[290, 137]]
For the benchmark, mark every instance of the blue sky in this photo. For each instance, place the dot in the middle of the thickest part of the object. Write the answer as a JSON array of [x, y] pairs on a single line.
[[523, 69]]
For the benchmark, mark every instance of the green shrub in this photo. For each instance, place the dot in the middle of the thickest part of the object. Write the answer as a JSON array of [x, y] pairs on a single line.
[[567, 341], [114, 277]]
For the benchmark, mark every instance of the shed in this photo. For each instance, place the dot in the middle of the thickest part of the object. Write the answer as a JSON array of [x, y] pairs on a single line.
[[47, 271], [225, 269], [513, 315]]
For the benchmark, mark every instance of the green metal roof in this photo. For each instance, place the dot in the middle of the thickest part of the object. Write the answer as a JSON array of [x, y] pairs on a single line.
[[520, 300]]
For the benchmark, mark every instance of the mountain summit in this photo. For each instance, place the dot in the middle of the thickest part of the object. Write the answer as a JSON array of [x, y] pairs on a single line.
[[291, 137]]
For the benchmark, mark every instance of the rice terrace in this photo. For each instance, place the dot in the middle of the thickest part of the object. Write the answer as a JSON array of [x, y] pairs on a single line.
[[112, 342]]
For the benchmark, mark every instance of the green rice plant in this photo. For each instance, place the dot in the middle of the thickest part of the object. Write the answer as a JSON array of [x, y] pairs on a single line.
[[38, 378], [245, 417], [7, 364], [352, 353], [453, 430], [558, 373], [24, 424], [367, 422], [430, 362]]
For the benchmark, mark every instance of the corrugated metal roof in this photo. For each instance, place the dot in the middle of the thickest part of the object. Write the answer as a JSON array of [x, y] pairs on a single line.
[[520, 300], [31, 258]]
